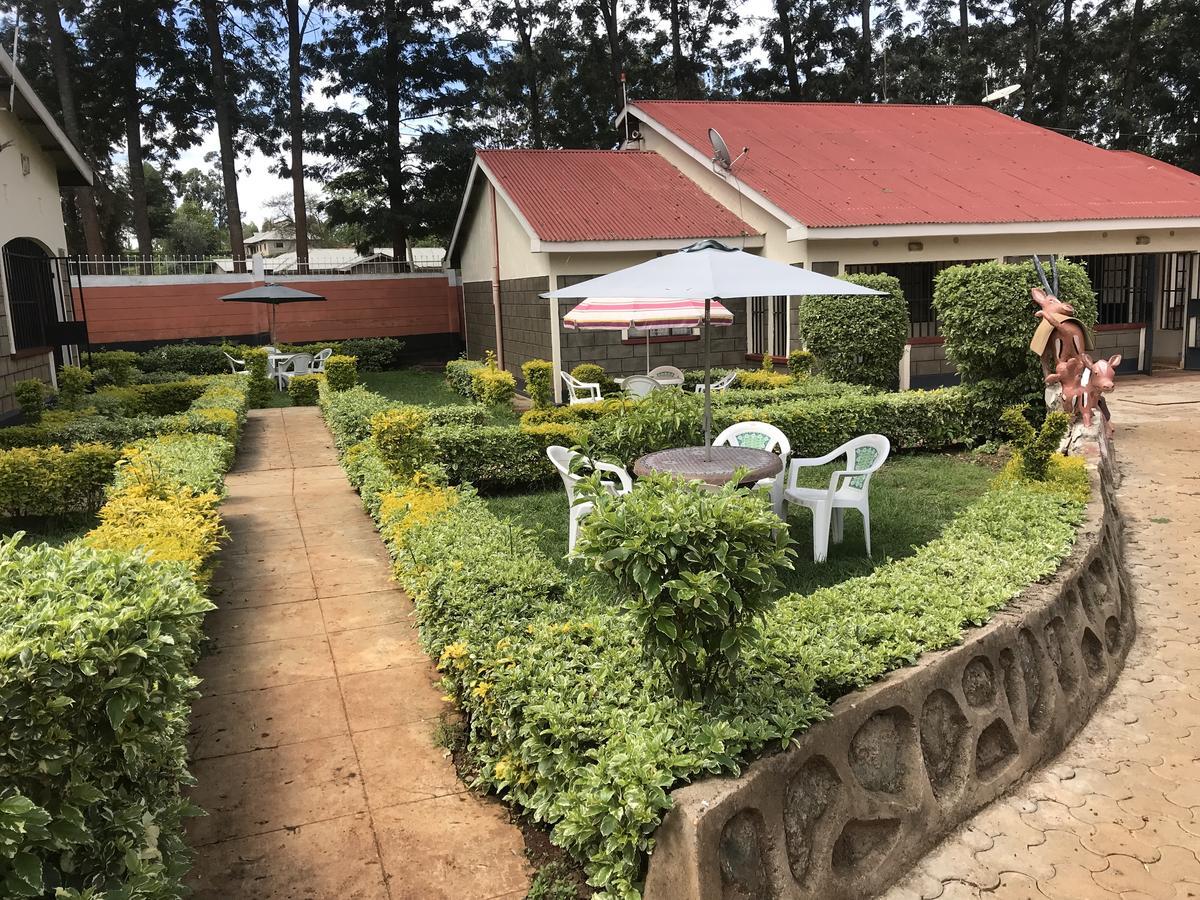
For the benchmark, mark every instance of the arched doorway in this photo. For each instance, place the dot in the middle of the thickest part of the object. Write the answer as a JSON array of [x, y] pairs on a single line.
[[29, 283]]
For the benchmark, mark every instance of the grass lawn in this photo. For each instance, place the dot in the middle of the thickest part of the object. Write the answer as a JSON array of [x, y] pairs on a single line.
[[913, 497], [56, 532], [425, 388]]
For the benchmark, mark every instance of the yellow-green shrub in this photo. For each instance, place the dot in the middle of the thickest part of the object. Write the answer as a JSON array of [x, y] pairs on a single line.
[[764, 379], [1064, 475], [31, 396], [399, 437], [303, 389], [593, 373], [341, 372], [539, 382], [564, 434], [492, 386], [260, 384], [414, 504], [51, 481]]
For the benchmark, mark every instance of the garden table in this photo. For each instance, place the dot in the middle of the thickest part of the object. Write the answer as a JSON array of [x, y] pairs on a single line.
[[665, 382], [716, 465]]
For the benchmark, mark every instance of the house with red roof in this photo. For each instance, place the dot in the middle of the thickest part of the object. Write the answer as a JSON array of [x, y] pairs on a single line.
[[841, 188]]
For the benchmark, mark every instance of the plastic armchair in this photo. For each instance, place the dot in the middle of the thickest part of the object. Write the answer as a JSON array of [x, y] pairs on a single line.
[[297, 364], [762, 436], [563, 461], [721, 384], [318, 365], [640, 385], [580, 391], [671, 374], [236, 366], [848, 489]]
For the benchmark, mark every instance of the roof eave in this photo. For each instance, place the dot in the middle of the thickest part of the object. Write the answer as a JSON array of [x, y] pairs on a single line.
[[943, 229], [625, 245], [72, 169]]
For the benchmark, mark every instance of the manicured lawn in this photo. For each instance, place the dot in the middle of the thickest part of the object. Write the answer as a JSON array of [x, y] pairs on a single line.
[[913, 497], [425, 388]]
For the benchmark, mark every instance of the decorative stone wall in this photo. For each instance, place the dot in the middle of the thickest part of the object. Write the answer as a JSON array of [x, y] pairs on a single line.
[[860, 797]]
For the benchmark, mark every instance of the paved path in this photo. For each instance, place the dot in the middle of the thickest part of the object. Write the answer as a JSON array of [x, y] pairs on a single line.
[[313, 742], [1117, 815]]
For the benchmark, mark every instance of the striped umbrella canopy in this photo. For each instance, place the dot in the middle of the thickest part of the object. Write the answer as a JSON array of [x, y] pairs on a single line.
[[607, 313]]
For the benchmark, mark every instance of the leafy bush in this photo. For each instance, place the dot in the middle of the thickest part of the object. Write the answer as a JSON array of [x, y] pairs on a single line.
[[490, 456], [580, 412], [591, 373], [31, 397], [858, 338], [341, 372], [376, 354], [51, 482], [696, 569], [257, 364], [121, 364], [764, 378], [1065, 475], [349, 413], [563, 434], [96, 651], [800, 363], [399, 435], [458, 375], [694, 378], [459, 414], [194, 359], [986, 317], [303, 389], [195, 461], [165, 399], [539, 382], [492, 386], [1033, 447], [73, 384], [666, 418]]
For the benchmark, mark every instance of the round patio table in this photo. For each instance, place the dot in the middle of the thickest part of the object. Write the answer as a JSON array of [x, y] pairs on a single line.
[[690, 463]]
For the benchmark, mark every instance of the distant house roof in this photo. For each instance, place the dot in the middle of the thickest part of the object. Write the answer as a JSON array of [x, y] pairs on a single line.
[[72, 170], [839, 164], [262, 236], [321, 259], [566, 196]]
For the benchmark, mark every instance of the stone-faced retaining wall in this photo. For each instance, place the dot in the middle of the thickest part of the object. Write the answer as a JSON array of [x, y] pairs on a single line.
[[860, 797]]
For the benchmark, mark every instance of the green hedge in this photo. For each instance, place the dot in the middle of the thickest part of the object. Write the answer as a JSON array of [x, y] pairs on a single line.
[[491, 457], [52, 482], [195, 461], [858, 338], [302, 389], [571, 724], [458, 375]]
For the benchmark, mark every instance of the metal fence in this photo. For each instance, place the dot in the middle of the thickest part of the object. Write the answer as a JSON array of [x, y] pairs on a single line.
[[132, 264]]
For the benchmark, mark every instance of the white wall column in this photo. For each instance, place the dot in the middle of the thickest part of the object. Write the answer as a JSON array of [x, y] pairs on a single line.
[[555, 342]]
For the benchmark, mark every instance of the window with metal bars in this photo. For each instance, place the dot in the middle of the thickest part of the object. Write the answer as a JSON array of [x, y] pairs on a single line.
[[1178, 287], [767, 329], [1122, 284], [29, 284], [916, 280]]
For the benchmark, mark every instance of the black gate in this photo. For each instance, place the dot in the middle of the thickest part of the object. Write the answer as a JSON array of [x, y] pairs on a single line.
[[40, 299], [1191, 336]]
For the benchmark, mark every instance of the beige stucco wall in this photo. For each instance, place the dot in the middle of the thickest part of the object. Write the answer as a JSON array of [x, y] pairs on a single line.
[[516, 258]]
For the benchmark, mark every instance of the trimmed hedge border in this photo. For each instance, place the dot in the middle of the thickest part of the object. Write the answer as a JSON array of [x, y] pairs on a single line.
[[853, 803]]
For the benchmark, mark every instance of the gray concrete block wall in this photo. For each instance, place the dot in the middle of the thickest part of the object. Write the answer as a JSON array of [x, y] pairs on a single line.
[[928, 360], [1127, 343], [479, 319], [525, 322], [14, 369]]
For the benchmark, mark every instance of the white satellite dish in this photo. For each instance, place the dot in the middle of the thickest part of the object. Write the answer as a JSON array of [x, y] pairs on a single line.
[[1002, 93], [721, 155]]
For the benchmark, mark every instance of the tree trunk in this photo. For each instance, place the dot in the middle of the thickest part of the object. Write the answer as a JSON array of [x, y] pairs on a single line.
[[865, 62], [533, 97], [223, 112], [682, 81], [132, 101], [966, 89], [609, 9], [1124, 119], [784, 25], [1033, 50], [85, 197], [395, 154], [296, 132], [1062, 77]]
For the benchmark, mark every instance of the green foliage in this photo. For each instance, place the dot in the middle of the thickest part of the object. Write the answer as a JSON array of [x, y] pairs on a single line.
[[459, 414], [553, 882], [341, 372], [800, 363], [303, 389], [696, 569], [121, 364], [349, 413], [377, 354], [31, 396], [260, 385], [539, 382], [400, 438], [763, 379], [166, 399], [666, 418], [1033, 447], [591, 373], [50, 481], [73, 384], [96, 652], [1064, 475], [458, 375], [987, 318], [858, 338], [490, 457], [194, 359], [492, 387], [195, 461]]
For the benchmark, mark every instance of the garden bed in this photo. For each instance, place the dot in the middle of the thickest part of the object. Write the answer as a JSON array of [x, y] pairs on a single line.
[[570, 723]]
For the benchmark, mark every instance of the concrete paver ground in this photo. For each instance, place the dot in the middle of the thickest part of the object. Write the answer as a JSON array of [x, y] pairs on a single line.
[[1117, 815], [313, 743]]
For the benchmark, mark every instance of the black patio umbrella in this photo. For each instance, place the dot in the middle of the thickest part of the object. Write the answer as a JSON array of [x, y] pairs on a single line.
[[273, 294]]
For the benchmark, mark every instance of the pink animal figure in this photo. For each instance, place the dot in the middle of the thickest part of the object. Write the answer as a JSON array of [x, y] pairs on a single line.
[[1060, 336], [1099, 380], [1069, 374]]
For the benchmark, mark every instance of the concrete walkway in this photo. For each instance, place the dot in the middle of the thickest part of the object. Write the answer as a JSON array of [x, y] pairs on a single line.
[[313, 744], [1118, 814]]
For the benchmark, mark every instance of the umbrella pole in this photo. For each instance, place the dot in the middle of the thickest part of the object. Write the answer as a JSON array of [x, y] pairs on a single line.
[[707, 379], [273, 306], [647, 351]]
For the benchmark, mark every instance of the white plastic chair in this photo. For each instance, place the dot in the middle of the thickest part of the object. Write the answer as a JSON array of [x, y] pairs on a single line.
[[297, 364], [318, 366], [761, 436], [721, 383], [848, 489], [236, 366], [667, 373], [562, 458], [580, 391], [640, 385]]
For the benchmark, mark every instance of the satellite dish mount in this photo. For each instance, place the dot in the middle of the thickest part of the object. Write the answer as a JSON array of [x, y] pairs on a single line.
[[722, 158]]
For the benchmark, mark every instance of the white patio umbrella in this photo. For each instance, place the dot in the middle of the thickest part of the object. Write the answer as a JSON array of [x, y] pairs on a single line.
[[713, 271]]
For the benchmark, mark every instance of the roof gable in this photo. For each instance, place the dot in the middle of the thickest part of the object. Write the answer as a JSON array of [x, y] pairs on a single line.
[[72, 170], [838, 164]]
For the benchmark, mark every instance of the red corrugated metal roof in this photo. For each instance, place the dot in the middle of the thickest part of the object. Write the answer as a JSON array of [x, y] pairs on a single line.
[[836, 164], [608, 195]]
